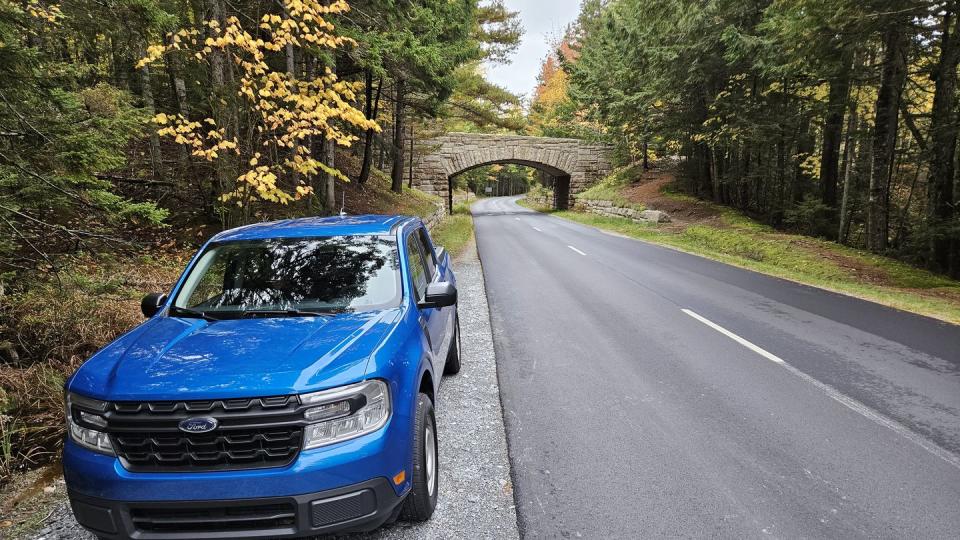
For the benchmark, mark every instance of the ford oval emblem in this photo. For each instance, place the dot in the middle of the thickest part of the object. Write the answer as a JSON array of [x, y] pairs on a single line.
[[198, 425]]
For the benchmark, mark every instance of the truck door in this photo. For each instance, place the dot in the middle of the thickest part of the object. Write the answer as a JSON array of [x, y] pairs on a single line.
[[431, 319], [446, 317]]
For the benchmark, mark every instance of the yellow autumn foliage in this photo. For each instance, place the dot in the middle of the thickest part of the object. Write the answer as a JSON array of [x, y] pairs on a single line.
[[288, 112]]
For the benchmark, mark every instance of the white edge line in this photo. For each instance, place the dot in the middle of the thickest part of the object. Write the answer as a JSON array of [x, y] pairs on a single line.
[[538, 229], [577, 250], [839, 397]]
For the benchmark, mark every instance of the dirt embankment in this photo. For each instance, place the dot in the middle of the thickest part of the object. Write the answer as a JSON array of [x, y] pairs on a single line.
[[651, 190]]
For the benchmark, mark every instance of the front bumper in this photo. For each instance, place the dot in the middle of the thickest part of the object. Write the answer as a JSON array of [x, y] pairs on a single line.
[[350, 479], [356, 508]]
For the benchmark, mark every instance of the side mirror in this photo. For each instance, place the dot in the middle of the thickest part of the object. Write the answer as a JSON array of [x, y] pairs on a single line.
[[439, 295], [152, 303]]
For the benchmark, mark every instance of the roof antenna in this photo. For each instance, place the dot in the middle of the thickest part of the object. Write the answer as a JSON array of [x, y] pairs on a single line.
[[343, 202]]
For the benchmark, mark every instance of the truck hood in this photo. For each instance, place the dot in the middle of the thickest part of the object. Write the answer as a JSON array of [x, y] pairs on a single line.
[[169, 358]]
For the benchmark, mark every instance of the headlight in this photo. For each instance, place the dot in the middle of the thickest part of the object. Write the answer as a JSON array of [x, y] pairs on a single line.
[[345, 413], [84, 422]]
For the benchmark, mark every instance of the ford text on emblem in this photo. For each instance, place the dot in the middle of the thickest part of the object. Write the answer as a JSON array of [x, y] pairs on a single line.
[[198, 425]]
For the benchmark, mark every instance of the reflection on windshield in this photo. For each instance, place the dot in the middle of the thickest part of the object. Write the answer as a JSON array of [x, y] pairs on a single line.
[[308, 274]]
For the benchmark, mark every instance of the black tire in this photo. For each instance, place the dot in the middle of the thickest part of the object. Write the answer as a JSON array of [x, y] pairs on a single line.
[[422, 499], [452, 366]]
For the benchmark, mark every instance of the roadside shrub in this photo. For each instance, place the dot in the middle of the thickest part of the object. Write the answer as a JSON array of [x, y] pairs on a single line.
[[31, 415], [52, 325], [812, 218]]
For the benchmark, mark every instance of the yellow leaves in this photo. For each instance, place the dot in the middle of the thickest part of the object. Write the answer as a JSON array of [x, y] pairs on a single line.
[[262, 183], [285, 113], [50, 14]]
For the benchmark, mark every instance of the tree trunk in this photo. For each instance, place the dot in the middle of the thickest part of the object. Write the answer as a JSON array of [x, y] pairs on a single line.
[[714, 175], [371, 109], [180, 98], [292, 85], [776, 210], [381, 150], [177, 85], [397, 172], [329, 158], [805, 145], [156, 163], [849, 151], [217, 79], [943, 143], [410, 164], [833, 130], [892, 79]]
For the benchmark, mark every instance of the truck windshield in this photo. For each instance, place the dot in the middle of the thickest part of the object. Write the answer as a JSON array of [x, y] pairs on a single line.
[[292, 276]]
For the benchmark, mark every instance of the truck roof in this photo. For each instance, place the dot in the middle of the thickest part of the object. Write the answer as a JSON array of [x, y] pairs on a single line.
[[371, 224]]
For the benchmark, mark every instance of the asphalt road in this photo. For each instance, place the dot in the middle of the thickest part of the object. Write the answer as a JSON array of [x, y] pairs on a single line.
[[652, 393]]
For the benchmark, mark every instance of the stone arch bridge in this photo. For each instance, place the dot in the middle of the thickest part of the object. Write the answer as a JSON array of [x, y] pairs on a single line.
[[574, 165]]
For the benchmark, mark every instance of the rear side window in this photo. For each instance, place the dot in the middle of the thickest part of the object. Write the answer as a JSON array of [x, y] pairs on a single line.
[[418, 271], [427, 253]]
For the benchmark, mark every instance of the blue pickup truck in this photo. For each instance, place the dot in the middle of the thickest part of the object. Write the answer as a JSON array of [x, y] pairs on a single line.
[[284, 388]]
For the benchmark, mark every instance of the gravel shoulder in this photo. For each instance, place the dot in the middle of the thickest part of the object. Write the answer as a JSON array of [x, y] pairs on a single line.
[[476, 493]]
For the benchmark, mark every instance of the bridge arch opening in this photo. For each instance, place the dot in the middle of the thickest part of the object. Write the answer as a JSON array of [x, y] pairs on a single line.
[[549, 177]]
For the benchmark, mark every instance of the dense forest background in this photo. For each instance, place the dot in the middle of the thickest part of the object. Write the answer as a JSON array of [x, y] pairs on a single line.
[[833, 118]]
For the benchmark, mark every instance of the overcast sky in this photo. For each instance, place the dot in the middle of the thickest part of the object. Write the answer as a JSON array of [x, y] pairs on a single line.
[[542, 20]]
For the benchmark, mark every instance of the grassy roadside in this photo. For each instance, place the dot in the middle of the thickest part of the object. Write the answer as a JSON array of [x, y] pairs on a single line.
[[741, 242], [454, 231]]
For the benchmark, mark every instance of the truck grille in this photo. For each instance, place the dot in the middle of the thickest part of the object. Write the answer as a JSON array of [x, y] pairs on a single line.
[[252, 433]]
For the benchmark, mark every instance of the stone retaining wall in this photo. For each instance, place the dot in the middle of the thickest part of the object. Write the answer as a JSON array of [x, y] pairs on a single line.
[[539, 200], [435, 218], [609, 209]]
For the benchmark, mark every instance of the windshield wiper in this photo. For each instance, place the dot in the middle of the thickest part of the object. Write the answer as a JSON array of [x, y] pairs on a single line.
[[288, 313], [187, 312]]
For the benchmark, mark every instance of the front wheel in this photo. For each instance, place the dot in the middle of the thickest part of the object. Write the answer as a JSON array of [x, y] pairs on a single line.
[[422, 499]]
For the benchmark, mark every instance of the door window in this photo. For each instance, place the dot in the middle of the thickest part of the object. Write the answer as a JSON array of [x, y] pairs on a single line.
[[428, 253], [418, 271]]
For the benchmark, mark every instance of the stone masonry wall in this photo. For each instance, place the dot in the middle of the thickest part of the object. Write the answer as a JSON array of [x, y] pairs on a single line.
[[435, 218], [609, 209]]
